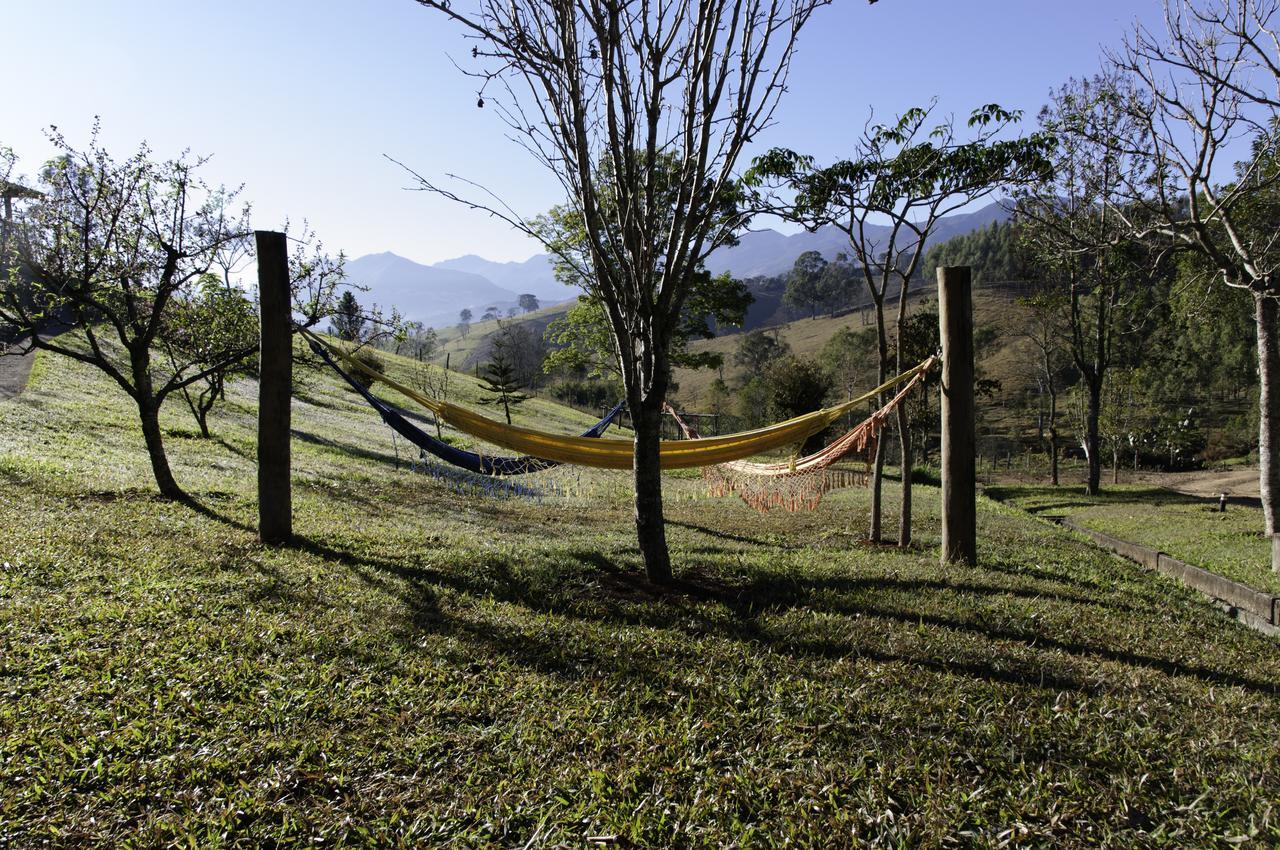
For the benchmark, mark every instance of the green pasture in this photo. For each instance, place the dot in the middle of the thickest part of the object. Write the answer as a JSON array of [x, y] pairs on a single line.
[[430, 669]]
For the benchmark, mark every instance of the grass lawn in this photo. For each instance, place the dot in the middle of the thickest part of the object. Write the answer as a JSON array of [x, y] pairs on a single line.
[[429, 670], [1230, 544]]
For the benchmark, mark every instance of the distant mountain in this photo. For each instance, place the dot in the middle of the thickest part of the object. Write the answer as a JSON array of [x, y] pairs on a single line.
[[426, 294], [435, 294], [535, 275], [765, 253]]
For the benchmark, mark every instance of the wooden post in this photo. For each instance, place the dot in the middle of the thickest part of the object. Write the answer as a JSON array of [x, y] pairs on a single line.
[[275, 389], [959, 438]]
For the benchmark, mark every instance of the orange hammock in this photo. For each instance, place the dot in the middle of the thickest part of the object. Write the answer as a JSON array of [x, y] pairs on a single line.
[[800, 482]]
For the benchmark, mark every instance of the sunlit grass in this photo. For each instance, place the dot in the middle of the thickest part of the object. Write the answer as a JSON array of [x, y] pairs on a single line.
[[426, 668], [1231, 544]]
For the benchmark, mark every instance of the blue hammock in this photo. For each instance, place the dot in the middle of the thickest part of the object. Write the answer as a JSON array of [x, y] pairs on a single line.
[[471, 461]]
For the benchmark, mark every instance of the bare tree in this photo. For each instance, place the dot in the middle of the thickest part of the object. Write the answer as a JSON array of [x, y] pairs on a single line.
[[1073, 226], [1210, 80], [1045, 330], [909, 175], [612, 88]]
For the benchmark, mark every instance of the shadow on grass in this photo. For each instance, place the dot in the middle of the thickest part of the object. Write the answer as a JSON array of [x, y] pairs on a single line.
[[345, 448], [728, 536], [608, 591], [588, 585]]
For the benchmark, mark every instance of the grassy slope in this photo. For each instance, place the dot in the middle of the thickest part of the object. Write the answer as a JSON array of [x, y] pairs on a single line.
[[1189, 528], [463, 348], [539, 412], [1007, 361], [428, 670]]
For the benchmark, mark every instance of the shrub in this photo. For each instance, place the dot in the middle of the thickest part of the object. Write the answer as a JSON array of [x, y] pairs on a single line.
[[368, 358]]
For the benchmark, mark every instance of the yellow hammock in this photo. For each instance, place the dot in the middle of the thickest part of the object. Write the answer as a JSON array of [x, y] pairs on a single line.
[[615, 453]]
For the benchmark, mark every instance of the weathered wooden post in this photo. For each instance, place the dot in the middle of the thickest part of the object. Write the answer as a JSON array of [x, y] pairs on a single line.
[[959, 438], [275, 389]]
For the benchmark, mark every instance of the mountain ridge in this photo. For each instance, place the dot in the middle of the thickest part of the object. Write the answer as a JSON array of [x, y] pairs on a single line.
[[434, 294]]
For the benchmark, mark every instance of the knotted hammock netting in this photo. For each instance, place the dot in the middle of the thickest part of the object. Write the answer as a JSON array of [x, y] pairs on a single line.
[[800, 483]]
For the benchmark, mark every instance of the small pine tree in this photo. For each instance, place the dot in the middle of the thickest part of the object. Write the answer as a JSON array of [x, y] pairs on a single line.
[[347, 322], [502, 384]]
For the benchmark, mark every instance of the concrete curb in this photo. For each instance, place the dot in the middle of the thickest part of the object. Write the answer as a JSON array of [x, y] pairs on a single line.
[[1252, 607]]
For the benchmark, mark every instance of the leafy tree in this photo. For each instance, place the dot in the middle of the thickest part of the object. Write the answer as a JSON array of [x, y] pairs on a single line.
[[528, 302], [754, 402], [756, 350], [464, 321], [798, 385], [200, 325], [909, 174], [849, 356], [583, 341], [1210, 334], [113, 245], [501, 383], [121, 249], [804, 284], [839, 285], [604, 95], [348, 321], [1126, 414], [718, 397], [490, 313]]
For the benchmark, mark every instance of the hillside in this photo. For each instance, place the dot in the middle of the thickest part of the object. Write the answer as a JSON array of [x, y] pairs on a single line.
[[994, 307], [467, 350], [436, 667]]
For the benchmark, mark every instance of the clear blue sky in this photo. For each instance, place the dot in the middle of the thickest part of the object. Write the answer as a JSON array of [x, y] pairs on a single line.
[[299, 99]]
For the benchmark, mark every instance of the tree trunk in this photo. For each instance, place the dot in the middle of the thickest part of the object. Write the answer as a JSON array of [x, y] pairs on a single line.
[[149, 412], [196, 412], [904, 429], [1053, 456], [651, 532], [905, 448], [877, 468], [1267, 317], [1115, 464], [1093, 445], [877, 492]]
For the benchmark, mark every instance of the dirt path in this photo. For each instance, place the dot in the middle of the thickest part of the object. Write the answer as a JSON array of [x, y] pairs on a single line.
[[14, 370], [1240, 482]]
